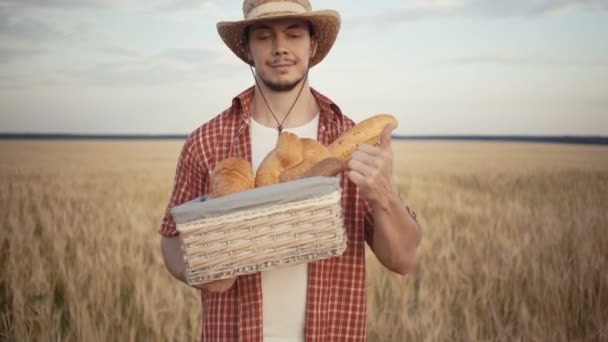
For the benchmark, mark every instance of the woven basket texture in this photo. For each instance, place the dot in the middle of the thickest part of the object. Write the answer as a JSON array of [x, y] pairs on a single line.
[[259, 239]]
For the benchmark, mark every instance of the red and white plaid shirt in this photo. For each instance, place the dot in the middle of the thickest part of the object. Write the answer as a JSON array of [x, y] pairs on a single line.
[[336, 302]]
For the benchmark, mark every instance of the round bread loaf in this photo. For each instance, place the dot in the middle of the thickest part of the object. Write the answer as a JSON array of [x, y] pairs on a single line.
[[230, 176], [290, 159], [365, 132], [312, 153]]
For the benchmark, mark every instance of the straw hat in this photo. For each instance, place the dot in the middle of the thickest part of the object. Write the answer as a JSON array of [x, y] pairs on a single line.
[[325, 23]]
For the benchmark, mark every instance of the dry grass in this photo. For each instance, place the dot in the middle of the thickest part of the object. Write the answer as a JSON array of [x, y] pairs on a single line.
[[515, 244]]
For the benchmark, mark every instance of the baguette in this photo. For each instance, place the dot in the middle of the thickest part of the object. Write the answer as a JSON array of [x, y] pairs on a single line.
[[365, 132], [328, 167]]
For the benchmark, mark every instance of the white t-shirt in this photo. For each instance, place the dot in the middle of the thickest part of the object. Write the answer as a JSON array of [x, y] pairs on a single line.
[[283, 289]]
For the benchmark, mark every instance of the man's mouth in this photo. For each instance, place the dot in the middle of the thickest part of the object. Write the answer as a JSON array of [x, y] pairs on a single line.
[[282, 64]]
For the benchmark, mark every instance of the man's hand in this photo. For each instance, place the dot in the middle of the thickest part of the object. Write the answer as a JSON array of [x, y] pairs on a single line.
[[396, 232], [172, 255], [371, 169], [217, 286]]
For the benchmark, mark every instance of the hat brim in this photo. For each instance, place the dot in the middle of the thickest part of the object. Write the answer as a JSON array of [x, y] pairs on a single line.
[[326, 25]]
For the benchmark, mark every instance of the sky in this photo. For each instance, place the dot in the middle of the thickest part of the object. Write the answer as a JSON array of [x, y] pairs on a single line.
[[446, 67]]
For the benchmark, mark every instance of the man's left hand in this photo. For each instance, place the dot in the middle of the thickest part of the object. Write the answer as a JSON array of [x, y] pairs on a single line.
[[371, 169]]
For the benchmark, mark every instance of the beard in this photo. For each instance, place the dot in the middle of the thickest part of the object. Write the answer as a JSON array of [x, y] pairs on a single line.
[[281, 86]]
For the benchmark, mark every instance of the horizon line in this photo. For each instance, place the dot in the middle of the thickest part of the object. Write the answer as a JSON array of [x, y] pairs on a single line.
[[565, 138]]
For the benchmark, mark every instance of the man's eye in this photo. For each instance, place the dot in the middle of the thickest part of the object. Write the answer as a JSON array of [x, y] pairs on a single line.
[[262, 36], [294, 35]]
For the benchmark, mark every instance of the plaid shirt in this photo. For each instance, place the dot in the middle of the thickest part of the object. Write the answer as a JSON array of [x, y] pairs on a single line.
[[336, 303]]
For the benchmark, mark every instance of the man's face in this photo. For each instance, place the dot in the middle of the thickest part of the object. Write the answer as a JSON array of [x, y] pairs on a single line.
[[280, 51]]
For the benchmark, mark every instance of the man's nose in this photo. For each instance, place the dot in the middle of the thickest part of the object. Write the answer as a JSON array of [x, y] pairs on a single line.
[[279, 46], [279, 52]]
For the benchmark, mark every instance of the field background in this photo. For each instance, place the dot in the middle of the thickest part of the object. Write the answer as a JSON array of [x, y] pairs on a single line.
[[515, 244]]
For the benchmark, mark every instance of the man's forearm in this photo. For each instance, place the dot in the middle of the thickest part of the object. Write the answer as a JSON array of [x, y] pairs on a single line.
[[396, 235], [172, 254]]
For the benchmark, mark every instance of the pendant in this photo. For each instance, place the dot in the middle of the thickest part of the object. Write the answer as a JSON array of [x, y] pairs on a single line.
[[280, 128]]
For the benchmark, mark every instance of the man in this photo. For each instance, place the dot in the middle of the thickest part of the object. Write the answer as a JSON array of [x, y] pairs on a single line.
[[323, 300]]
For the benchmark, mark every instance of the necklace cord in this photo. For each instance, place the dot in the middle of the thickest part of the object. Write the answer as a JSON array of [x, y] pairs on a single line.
[[280, 124]]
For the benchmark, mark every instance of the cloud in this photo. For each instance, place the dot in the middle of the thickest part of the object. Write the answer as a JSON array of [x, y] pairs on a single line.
[[191, 55], [185, 10], [180, 11], [27, 21], [519, 58], [409, 11], [149, 74], [420, 9], [115, 49], [11, 54], [26, 27], [63, 4], [533, 8], [193, 63], [21, 27], [599, 61], [129, 73], [175, 65], [176, 5]]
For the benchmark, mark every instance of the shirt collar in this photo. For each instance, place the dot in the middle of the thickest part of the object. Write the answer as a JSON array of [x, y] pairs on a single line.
[[330, 112], [240, 103]]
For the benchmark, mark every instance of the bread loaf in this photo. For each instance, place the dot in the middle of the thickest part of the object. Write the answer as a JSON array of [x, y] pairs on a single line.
[[365, 132], [230, 176], [290, 159], [312, 153], [328, 167], [276, 160]]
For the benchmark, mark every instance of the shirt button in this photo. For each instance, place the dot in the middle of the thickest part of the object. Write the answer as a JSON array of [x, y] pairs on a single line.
[[322, 128]]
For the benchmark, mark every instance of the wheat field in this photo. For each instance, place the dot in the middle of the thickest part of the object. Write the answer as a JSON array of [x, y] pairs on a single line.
[[514, 248]]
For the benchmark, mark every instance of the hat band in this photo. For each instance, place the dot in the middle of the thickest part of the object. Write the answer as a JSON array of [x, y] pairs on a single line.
[[274, 7]]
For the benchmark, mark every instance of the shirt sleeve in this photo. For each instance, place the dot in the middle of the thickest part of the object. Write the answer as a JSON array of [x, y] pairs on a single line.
[[190, 182]]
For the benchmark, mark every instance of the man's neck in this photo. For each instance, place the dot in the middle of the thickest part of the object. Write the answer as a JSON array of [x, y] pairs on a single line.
[[303, 110]]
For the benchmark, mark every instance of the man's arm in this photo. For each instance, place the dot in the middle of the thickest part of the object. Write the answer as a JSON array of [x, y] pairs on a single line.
[[172, 254], [396, 232], [396, 235], [189, 184]]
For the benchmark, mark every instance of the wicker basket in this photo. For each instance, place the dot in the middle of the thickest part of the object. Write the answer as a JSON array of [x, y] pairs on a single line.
[[261, 229]]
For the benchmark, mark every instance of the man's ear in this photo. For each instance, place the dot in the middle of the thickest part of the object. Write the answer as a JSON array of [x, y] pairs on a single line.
[[313, 48], [248, 55]]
